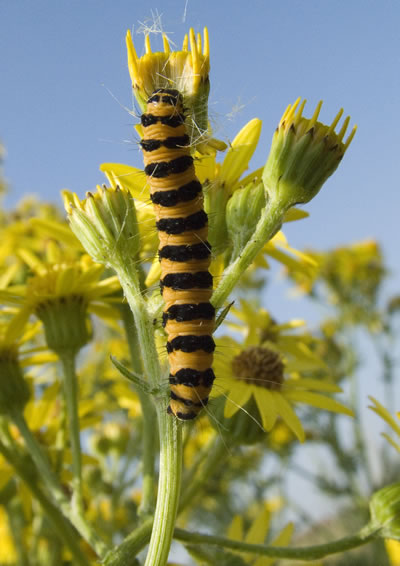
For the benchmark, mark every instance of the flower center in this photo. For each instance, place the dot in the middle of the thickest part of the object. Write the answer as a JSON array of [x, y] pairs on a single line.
[[259, 366]]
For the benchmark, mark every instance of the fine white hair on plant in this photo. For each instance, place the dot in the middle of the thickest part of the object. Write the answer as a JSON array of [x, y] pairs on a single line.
[[153, 26]]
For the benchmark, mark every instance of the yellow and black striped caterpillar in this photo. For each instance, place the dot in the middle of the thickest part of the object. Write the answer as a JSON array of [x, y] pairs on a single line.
[[185, 254]]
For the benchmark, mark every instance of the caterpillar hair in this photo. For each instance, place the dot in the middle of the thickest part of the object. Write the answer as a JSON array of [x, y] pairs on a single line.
[[185, 254]]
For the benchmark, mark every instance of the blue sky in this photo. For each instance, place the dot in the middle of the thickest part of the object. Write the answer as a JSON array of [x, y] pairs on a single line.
[[65, 94]]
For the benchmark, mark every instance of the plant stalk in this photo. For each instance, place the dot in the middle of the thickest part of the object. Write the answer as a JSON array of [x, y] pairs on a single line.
[[55, 489], [364, 536], [267, 226], [71, 403]]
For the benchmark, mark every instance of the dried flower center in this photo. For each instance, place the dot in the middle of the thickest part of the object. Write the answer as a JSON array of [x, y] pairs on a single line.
[[259, 366]]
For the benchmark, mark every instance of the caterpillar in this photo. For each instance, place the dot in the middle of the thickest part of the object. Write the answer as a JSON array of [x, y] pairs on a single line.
[[184, 253]]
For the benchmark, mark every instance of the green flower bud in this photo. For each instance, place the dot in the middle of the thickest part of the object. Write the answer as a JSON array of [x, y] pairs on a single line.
[[105, 223], [385, 511], [304, 153], [215, 199], [242, 214]]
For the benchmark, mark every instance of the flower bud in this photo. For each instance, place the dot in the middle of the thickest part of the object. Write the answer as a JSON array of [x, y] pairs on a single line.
[[304, 153], [105, 223], [385, 511], [242, 214]]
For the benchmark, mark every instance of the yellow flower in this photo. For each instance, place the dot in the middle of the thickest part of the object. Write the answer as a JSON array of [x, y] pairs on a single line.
[[254, 370], [304, 153], [61, 294], [186, 71]]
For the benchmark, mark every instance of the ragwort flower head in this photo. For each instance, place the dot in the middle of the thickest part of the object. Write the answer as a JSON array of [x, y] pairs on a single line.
[[304, 153], [62, 294], [261, 376], [186, 71], [105, 223]]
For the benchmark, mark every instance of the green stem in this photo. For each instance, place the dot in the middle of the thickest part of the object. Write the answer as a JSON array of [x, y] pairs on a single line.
[[55, 489], [71, 403], [169, 428], [123, 555], [168, 488], [57, 521], [366, 535], [144, 325], [267, 226], [149, 439]]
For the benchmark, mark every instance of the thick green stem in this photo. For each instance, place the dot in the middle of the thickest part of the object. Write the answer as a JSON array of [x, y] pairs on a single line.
[[55, 489], [148, 412], [168, 488], [267, 226], [366, 535], [57, 521], [169, 428], [144, 325], [71, 403]]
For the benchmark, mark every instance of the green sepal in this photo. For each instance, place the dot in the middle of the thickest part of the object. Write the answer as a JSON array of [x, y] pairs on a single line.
[[243, 212], [385, 511]]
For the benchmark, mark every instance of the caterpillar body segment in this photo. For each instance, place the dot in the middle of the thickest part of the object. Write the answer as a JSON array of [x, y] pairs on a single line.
[[185, 254]]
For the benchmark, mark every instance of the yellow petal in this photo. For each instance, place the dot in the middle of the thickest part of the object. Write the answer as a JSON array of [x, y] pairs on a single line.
[[319, 401], [132, 179], [282, 539], [235, 530], [391, 441], [267, 407], [205, 167], [380, 410], [259, 528], [393, 551], [288, 415], [238, 156], [154, 273], [236, 399], [295, 214], [308, 383]]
